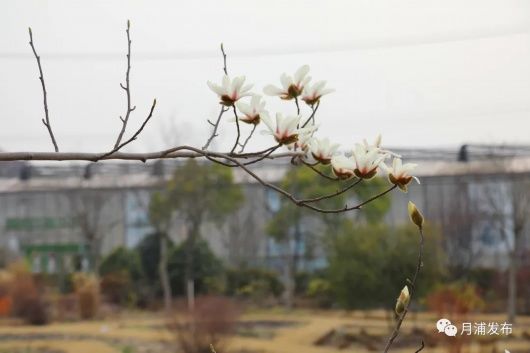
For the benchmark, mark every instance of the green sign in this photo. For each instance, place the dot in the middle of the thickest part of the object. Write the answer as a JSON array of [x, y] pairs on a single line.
[[38, 223]]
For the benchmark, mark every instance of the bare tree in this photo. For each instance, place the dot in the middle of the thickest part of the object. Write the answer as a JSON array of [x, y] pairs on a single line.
[[90, 211], [508, 209]]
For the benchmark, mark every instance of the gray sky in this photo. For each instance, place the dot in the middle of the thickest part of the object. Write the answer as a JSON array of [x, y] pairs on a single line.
[[423, 73]]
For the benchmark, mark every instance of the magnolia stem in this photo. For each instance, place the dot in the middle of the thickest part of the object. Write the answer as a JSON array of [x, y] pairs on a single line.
[[412, 291]]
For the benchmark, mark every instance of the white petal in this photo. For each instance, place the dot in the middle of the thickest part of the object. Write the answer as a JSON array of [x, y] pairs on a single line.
[[226, 82], [286, 81], [216, 88], [301, 73], [271, 90]]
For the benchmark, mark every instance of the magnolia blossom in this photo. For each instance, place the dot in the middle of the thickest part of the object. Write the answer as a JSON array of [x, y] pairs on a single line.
[[367, 161], [292, 86], [286, 130], [312, 94], [323, 150], [252, 112], [377, 145], [304, 140], [399, 173], [342, 166], [230, 91]]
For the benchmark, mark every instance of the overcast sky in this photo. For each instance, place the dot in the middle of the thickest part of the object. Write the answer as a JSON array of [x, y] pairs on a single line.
[[423, 73]]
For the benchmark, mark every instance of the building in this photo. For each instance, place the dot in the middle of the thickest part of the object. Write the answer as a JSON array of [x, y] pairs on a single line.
[[59, 216]]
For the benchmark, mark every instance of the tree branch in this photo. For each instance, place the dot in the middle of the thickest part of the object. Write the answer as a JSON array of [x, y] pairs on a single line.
[[224, 59], [127, 89], [117, 148], [312, 167], [223, 108], [419, 265], [337, 193], [421, 347], [238, 131], [297, 105], [312, 116], [248, 139], [215, 127], [45, 121], [171, 153]]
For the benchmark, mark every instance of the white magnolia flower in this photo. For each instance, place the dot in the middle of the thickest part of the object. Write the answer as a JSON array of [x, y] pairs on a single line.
[[367, 161], [286, 130], [252, 112], [292, 86], [304, 140], [230, 91], [377, 145], [323, 150], [399, 173], [313, 93], [342, 166]]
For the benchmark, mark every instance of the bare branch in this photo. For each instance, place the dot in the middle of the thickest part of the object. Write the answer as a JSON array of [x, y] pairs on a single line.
[[45, 121], [337, 193], [223, 108], [238, 131], [224, 59], [248, 139], [421, 347], [127, 89], [312, 167], [117, 148], [346, 208], [419, 265], [215, 127], [171, 153], [297, 105], [314, 108]]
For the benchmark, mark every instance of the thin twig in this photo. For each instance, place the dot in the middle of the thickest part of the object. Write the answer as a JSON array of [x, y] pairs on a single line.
[[421, 347], [297, 105], [312, 116], [135, 136], [126, 88], [45, 121], [312, 167], [224, 59], [238, 130], [346, 208], [248, 138], [223, 108], [259, 153], [215, 127], [412, 291], [260, 158], [337, 193]]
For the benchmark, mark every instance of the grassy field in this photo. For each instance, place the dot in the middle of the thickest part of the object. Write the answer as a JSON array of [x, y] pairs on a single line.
[[273, 331]]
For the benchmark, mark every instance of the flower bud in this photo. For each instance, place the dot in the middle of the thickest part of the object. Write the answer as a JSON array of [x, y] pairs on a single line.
[[415, 215], [403, 300]]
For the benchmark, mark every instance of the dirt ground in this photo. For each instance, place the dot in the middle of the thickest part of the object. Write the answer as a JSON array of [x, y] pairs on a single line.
[[273, 331]]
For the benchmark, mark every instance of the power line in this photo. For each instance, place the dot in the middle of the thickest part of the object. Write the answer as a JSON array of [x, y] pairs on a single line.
[[370, 44]]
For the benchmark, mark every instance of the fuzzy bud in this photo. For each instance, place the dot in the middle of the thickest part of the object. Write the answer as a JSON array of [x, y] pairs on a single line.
[[403, 300], [415, 215]]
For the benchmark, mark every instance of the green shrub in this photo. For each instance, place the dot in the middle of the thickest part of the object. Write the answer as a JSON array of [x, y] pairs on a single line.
[[122, 259], [253, 282], [205, 266], [367, 263], [319, 289]]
